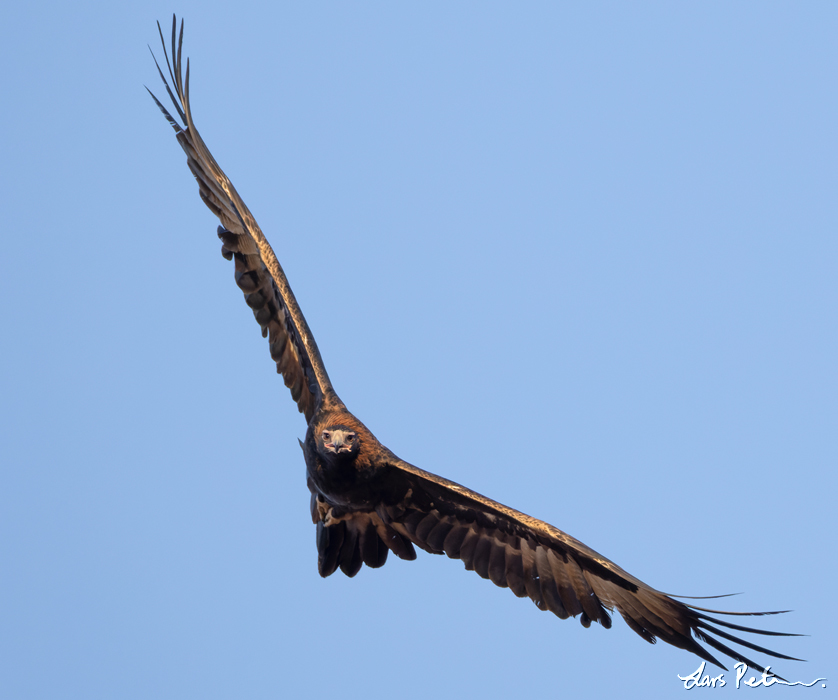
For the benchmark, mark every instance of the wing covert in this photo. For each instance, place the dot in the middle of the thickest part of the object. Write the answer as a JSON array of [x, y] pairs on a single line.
[[556, 571], [257, 270]]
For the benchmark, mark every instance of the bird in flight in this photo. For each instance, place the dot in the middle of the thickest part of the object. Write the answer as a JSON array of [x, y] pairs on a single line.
[[366, 502]]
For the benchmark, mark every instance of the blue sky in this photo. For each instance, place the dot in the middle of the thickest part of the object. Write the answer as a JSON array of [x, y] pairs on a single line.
[[579, 258]]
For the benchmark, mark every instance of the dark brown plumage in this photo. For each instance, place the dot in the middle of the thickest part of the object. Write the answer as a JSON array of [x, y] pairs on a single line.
[[366, 502]]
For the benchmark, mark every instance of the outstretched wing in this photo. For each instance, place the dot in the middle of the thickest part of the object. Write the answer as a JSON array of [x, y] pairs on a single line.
[[515, 551], [258, 272]]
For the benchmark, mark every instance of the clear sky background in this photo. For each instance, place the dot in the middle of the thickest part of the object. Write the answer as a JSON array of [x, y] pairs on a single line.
[[580, 257]]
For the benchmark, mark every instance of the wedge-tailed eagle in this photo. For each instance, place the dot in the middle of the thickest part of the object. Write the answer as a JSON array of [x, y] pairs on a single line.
[[366, 502]]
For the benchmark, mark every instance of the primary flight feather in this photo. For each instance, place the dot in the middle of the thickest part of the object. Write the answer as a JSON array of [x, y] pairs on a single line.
[[366, 502]]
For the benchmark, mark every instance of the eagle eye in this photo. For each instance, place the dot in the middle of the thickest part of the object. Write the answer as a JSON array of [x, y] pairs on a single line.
[[350, 437], [326, 435]]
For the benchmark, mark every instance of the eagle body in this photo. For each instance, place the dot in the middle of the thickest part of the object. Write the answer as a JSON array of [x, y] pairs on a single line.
[[349, 481], [366, 502]]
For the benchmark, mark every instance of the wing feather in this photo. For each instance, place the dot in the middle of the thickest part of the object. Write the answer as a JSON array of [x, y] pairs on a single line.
[[556, 571], [257, 270]]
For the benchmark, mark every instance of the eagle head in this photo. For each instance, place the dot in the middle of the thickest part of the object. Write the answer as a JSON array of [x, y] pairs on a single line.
[[338, 441]]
